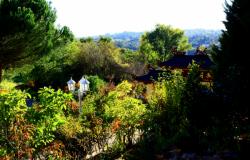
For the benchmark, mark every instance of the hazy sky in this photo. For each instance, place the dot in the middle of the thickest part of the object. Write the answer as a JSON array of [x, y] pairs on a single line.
[[95, 17]]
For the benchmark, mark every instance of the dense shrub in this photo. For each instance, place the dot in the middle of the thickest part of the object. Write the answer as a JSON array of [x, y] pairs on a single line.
[[167, 120], [96, 83], [15, 131], [26, 131]]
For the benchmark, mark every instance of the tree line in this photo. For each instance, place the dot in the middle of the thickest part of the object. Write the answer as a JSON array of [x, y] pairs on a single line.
[[196, 37]]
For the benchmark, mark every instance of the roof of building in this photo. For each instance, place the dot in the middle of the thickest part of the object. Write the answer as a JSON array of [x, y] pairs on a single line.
[[182, 61]]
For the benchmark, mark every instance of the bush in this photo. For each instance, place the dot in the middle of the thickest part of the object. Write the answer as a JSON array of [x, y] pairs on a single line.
[[16, 133], [7, 85], [96, 83], [166, 120], [48, 114]]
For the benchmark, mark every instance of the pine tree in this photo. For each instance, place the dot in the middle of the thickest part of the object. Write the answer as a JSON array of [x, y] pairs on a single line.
[[27, 31], [232, 56]]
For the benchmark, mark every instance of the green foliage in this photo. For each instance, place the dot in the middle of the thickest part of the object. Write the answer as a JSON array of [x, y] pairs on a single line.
[[12, 103], [7, 85], [162, 40], [125, 112], [28, 31], [232, 59], [191, 100], [150, 56], [24, 131], [53, 101], [114, 114], [193, 76], [22, 21], [73, 60], [15, 132], [202, 48], [123, 107], [18, 74], [167, 118], [183, 44], [71, 128], [48, 115], [175, 87], [87, 131], [86, 40], [101, 58], [55, 68], [140, 88], [232, 73], [129, 56], [104, 39], [90, 104], [96, 83], [158, 99], [134, 60]]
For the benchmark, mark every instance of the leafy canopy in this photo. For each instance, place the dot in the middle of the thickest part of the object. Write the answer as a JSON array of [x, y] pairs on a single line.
[[158, 44], [27, 30]]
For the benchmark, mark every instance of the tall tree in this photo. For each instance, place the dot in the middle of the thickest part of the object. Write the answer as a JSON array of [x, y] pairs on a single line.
[[159, 42], [27, 30], [232, 56], [100, 58]]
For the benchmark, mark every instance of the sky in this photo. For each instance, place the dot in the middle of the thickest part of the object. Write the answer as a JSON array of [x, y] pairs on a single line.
[[98, 17]]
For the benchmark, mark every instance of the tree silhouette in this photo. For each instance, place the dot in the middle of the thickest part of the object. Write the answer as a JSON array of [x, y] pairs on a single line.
[[232, 56]]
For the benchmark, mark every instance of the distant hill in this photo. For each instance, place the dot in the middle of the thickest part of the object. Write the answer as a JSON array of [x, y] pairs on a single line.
[[196, 37], [129, 40], [205, 37]]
